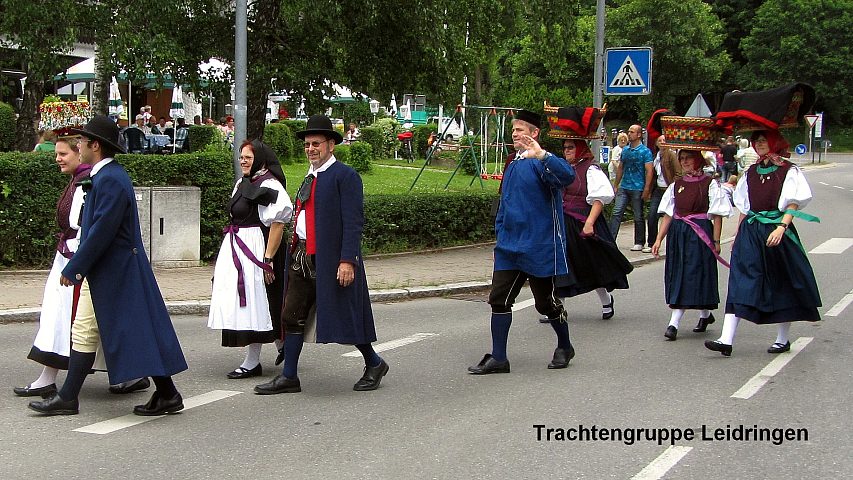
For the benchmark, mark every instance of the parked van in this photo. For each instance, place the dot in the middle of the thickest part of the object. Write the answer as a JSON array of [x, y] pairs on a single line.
[[454, 131]]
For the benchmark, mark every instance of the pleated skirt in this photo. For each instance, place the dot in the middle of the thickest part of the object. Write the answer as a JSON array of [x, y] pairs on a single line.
[[690, 273]]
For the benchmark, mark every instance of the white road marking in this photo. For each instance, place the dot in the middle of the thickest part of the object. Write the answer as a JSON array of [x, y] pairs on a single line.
[[115, 424], [381, 347], [836, 186], [840, 306], [755, 383], [833, 245], [666, 460], [522, 305], [823, 183]]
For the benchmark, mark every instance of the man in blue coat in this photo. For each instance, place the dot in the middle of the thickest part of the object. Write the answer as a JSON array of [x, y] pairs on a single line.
[[531, 244], [326, 298], [120, 305]]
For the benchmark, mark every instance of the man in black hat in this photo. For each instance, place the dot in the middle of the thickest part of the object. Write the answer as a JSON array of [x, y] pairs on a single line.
[[530, 244], [325, 263], [120, 305]]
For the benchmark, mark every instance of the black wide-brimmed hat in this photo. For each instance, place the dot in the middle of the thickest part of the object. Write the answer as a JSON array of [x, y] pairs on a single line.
[[532, 118], [102, 129], [320, 124]]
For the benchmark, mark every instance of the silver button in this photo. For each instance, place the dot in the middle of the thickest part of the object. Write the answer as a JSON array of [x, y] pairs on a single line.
[[78, 277], [134, 250]]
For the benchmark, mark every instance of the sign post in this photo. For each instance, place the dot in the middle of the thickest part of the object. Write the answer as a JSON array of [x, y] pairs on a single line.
[[811, 120]]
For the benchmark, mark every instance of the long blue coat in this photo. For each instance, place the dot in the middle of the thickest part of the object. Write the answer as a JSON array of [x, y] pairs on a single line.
[[343, 314], [530, 228], [137, 335]]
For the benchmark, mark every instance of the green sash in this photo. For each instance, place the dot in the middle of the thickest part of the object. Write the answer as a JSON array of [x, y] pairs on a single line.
[[774, 217]]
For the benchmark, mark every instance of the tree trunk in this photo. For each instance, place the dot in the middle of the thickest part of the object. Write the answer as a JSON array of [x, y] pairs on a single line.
[[101, 85], [256, 98], [26, 129]]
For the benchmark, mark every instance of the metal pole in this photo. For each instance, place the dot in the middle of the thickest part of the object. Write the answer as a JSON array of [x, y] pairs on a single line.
[[240, 69], [597, 90]]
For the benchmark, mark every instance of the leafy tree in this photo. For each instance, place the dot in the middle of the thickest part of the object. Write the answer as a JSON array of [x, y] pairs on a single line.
[[808, 41]]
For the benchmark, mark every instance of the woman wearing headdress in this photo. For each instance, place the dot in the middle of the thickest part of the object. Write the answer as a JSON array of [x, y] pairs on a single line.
[[771, 280], [596, 262], [693, 206], [52, 344], [249, 274]]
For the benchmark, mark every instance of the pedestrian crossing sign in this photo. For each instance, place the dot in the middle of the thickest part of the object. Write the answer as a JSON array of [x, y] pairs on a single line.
[[628, 71]]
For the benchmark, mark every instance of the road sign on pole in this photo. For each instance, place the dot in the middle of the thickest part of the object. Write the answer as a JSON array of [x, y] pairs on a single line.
[[628, 71], [811, 120]]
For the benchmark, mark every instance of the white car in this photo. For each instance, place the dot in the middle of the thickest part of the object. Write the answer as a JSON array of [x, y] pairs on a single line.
[[454, 130]]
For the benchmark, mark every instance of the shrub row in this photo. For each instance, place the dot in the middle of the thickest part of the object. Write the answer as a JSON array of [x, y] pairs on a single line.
[[7, 127]]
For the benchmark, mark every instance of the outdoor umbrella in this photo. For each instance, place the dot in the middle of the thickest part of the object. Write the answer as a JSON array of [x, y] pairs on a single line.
[[177, 111], [116, 108], [392, 108]]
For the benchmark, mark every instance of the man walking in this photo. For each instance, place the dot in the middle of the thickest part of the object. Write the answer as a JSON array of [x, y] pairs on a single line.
[[531, 243], [634, 183], [120, 305], [326, 297]]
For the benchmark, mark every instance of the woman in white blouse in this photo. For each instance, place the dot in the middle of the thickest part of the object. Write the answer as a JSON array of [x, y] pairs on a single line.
[[693, 208], [771, 280]]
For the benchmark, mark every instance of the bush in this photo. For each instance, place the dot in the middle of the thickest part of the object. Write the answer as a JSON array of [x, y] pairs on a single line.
[[200, 136], [359, 156], [373, 136], [294, 125], [397, 222], [282, 141], [7, 127], [28, 214], [342, 153], [388, 128], [420, 137]]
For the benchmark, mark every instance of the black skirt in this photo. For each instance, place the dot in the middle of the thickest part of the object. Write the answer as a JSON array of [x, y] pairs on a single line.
[[690, 275], [593, 262], [771, 284]]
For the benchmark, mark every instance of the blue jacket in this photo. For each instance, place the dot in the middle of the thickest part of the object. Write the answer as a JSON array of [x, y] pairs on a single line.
[[530, 226], [137, 335]]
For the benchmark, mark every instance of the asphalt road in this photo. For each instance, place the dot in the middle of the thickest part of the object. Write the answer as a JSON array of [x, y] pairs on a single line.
[[430, 419]]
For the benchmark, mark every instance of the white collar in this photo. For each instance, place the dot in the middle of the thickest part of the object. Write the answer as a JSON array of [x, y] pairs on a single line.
[[98, 166], [322, 168]]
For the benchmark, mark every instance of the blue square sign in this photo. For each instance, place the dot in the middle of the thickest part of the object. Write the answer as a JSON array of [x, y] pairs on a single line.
[[628, 71]]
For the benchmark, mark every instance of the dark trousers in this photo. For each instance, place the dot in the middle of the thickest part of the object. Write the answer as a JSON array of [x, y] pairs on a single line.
[[506, 284], [635, 198], [301, 292], [654, 216]]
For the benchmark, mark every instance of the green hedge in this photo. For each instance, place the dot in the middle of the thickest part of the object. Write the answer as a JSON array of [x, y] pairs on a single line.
[[373, 136], [359, 156], [420, 137], [282, 141], [389, 128], [7, 127], [200, 136], [342, 153], [396, 223], [294, 125]]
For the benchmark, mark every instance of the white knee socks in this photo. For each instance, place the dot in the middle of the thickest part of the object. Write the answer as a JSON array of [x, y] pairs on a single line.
[[48, 376], [605, 298], [253, 356], [677, 313], [782, 333], [729, 327], [704, 313]]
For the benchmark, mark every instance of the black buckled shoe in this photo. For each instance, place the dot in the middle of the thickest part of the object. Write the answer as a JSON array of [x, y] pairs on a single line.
[[131, 386], [489, 365], [562, 356], [280, 357], [279, 384], [719, 346], [42, 392], [241, 372], [55, 405], [671, 333], [608, 315], [371, 378], [159, 405], [779, 347], [703, 323]]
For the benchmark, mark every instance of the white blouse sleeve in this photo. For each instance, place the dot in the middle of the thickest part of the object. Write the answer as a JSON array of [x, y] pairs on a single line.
[[741, 194], [718, 201], [278, 211], [598, 186], [795, 189], [74, 218], [667, 202]]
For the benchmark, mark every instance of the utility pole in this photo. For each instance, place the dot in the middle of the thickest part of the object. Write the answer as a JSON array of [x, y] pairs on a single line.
[[597, 89], [240, 73]]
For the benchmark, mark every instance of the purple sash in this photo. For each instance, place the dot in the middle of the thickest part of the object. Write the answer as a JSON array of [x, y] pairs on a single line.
[[241, 283], [701, 233]]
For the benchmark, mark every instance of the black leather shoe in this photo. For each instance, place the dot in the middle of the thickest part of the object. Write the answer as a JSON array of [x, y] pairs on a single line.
[[670, 333], [159, 405], [279, 384], [241, 372], [562, 357], [779, 348], [131, 386], [718, 346], [55, 405], [544, 320], [608, 316], [371, 378], [703, 323], [280, 357], [42, 392], [489, 365]]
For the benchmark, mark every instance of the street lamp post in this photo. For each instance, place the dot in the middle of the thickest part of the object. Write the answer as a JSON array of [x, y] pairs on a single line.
[[374, 108]]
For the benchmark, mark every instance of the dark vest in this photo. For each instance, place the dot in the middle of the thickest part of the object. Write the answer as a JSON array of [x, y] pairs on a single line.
[[243, 206], [765, 190], [574, 196], [691, 197]]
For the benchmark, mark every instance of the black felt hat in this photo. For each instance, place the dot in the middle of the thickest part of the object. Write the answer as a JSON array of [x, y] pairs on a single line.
[[320, 124], [532, 118], [102, 129]]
